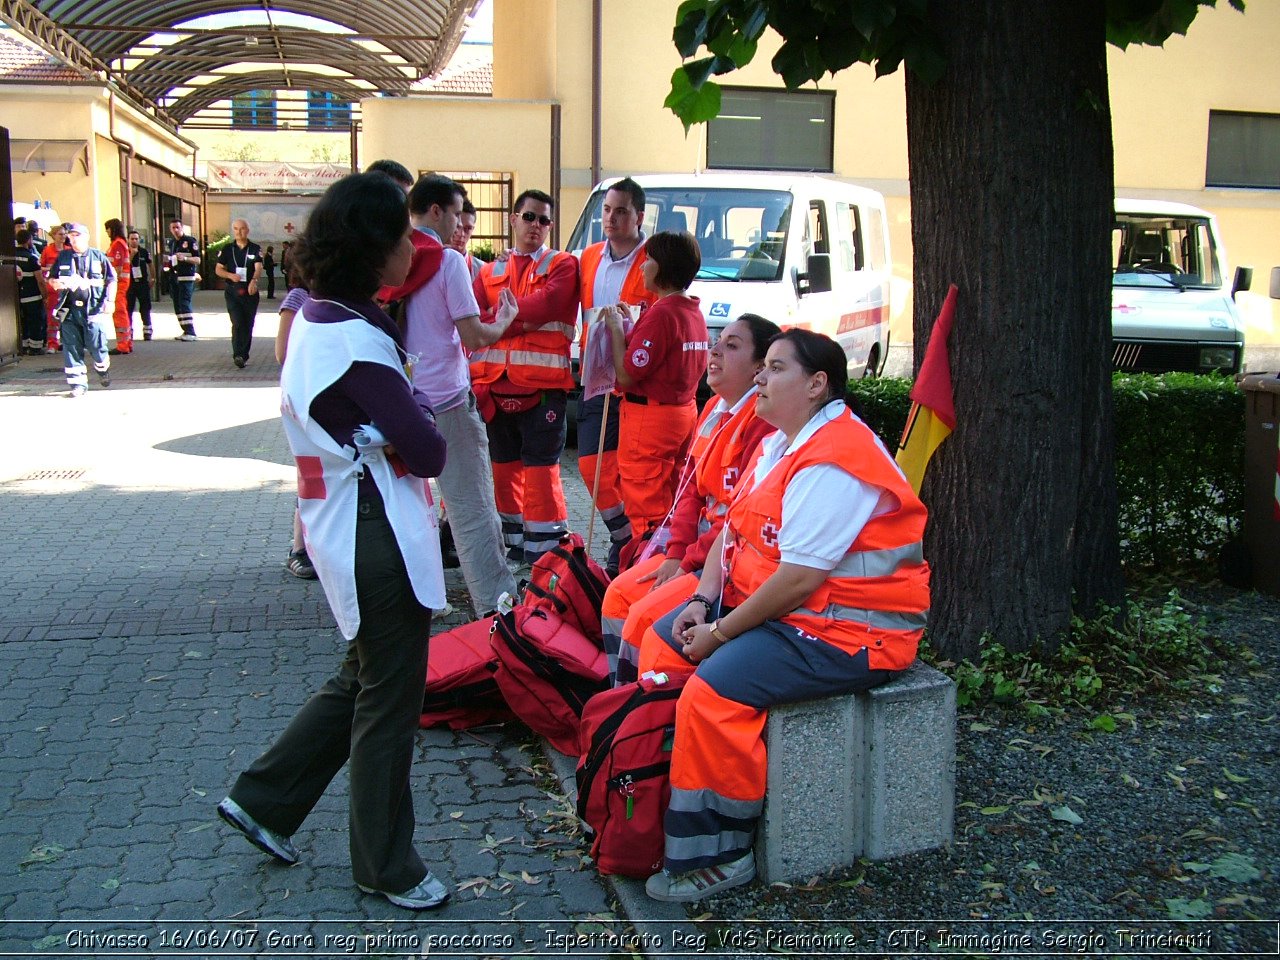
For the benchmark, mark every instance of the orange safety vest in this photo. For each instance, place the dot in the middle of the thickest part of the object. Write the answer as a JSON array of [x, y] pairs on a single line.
[[536, 359], [633, 291], [717, 476], [877, 597]]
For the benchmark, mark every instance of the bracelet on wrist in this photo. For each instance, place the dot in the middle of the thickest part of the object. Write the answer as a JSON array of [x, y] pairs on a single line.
[[699, 598]]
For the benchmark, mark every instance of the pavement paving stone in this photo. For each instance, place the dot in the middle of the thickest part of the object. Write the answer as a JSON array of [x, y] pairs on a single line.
[[154, 644]]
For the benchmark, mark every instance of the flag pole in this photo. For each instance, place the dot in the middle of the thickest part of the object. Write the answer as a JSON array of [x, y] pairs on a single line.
[[595, 483]]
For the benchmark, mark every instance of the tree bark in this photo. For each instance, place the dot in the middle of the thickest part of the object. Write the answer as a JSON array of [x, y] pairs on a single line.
[[1011, 192]]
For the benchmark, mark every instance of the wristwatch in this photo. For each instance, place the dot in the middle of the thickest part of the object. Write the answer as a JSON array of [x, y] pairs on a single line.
[[715, 632]]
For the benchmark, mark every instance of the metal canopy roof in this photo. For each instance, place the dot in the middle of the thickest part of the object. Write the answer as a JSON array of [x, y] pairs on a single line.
[[166, 53]]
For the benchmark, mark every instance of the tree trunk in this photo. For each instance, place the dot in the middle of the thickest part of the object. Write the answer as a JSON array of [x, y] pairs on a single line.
[[1011, 194]]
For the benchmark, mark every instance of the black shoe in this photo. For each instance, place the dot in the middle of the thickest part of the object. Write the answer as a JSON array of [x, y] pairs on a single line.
[[299, 564], [239, 361]]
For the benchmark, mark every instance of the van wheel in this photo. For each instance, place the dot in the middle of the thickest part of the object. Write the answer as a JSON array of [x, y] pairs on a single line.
[[872, 369]]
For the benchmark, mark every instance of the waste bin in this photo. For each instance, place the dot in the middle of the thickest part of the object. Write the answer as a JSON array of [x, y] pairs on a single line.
[[1262, 478]]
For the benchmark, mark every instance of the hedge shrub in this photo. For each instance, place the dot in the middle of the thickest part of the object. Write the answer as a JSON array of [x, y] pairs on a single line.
[[1179, 459]]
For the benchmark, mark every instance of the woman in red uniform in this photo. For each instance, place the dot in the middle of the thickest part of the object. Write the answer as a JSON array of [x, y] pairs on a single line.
[[48, 257], [727, 435], [822, 589], [658, 366], [121, 260]]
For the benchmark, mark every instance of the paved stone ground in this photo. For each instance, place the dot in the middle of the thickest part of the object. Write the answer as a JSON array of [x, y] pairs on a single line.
[[153, 645]]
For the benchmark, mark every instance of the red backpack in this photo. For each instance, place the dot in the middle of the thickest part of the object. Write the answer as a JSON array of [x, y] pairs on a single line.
[[567, 581], [547, 671], [624, 784], [461, 690]]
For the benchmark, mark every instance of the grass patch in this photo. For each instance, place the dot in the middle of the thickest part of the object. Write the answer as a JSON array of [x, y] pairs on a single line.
[[1154, 644]]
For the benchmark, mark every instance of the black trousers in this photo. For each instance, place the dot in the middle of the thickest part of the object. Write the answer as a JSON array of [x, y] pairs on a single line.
[[139, 295], [243, 311], [271, 285], [367, 714]]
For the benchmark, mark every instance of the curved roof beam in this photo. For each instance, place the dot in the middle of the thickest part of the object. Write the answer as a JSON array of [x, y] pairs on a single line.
[[224, 89], [412, 28], [176, 64]]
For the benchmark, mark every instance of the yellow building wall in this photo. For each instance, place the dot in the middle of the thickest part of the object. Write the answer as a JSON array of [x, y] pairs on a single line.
[[1161, 98], [1160, 103], [91, 196], [461, 133], [525, 31], [53, 114]]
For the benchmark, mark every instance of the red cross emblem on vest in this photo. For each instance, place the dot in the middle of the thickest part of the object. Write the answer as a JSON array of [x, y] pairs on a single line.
[[769, 533], [730, 478]]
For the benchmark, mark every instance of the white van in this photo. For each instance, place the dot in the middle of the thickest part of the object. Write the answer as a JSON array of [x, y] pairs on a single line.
[[1170, 307], [800, 250]]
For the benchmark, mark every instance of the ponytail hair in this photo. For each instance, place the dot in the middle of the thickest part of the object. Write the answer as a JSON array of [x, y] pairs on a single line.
[[763, 333]]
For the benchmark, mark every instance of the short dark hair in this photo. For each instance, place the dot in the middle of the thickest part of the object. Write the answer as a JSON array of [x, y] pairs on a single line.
[[469, 207], [632, 189], [33, 224], [396, 171], [677, 255], [351, 232], [763, 333], [21, 237], [115, 228], [536, 195], [19, 221], [432, 190], [818, 353]]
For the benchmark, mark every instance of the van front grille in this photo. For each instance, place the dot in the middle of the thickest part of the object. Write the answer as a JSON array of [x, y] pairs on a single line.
[[1162, 357]]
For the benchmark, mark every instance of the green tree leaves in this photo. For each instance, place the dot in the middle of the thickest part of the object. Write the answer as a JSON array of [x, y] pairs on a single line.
[[827, 36]]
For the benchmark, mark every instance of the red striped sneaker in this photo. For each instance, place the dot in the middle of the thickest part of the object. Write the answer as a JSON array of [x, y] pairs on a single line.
[[696, 884]]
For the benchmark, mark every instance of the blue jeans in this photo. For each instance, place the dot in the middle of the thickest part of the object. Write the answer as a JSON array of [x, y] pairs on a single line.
[[79, 335]]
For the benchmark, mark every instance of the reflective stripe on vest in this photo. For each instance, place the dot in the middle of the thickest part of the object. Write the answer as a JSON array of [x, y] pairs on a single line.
[[536, 359], [877, 597]]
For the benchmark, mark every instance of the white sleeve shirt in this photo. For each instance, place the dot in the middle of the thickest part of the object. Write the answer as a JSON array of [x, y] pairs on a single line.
[[824, 507]]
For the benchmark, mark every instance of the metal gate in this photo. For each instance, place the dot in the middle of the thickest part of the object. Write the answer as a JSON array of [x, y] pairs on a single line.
[[492, 195], [10, 322]]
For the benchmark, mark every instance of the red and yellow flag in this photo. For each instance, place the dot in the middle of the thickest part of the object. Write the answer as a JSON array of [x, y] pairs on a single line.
[[933, 412]]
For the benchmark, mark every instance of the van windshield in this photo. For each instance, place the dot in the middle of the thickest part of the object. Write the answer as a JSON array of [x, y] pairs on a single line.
[[742, 233], [1150, 250]]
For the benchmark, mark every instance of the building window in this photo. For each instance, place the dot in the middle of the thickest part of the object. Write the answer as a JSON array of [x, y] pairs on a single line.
[[254, 108], [326, 111], [1244, 150], [770, 129]]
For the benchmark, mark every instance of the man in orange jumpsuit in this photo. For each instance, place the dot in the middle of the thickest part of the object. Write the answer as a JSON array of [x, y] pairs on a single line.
[[526, 377]]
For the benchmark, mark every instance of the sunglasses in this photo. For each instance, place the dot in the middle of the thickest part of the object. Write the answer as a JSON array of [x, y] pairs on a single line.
[[529, 217]]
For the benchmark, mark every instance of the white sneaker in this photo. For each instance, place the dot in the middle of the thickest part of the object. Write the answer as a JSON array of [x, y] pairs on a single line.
[[187, 337], [426, 895], [696, 884]]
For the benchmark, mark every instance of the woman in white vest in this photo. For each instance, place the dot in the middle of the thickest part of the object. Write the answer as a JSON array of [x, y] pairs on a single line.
[[364, 442]]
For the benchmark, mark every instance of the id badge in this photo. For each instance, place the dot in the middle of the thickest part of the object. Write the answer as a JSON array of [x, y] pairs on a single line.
[[173, 259], [242, 274], [136, 273]]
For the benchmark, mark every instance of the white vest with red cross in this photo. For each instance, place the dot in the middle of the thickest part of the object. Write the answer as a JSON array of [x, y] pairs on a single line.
[[328, 475]]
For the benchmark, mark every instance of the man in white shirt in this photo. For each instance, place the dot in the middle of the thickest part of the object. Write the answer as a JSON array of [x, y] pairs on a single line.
[[443, 320]]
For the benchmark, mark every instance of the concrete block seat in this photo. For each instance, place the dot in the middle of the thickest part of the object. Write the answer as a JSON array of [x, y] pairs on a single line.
[[870, 774]]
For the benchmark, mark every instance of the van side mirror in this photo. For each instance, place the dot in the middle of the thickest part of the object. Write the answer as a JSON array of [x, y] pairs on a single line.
[[1275, 283], [1243, 280], [817, 275]]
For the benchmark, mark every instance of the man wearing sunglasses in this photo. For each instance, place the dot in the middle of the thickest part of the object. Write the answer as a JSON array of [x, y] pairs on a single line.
[[526, 377]]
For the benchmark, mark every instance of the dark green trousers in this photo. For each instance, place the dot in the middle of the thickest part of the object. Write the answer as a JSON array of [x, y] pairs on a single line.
[[367, 714]]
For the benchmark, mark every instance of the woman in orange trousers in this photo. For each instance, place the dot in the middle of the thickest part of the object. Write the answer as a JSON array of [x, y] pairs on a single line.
[[726, 437], [121, 261]]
